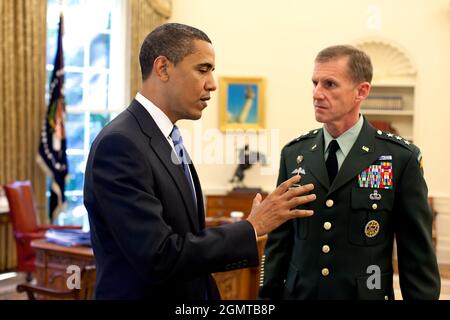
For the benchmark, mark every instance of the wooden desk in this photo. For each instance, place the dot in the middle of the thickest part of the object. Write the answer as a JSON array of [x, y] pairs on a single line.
[[241, 284], [52, 261], [221, 205]]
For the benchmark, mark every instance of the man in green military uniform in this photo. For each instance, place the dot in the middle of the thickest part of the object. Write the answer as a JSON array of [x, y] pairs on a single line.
[[370, 188]]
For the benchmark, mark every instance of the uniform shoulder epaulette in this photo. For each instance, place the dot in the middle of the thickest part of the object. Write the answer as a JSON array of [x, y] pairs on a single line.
[[404, 143], [306, 135], [396, 139]]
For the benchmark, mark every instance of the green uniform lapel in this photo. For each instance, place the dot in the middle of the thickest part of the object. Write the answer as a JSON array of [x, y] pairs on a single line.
[[361, 155], [314, 160]]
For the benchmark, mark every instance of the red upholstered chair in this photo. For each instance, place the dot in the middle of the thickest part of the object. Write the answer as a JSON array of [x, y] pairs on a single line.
[[23, 218]]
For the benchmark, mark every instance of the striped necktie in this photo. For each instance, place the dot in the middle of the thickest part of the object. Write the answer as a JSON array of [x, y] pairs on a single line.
[[181, 154]]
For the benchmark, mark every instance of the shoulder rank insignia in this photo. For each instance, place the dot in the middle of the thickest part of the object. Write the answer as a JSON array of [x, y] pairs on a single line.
[[306, 135], [395, 138]]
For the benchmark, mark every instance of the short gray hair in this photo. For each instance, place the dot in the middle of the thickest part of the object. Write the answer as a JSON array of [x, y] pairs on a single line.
[[359, 65]]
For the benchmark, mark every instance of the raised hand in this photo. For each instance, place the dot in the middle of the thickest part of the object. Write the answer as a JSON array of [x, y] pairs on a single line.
[[276, 208]]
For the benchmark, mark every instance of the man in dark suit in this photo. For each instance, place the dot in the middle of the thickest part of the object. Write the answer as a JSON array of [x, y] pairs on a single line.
[[144, 198], [370, 188]]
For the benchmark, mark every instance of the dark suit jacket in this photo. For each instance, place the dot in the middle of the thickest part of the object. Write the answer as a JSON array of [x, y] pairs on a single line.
[[148, 237], [295, 258]]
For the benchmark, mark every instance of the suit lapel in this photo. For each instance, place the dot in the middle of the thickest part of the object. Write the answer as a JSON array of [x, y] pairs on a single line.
[[199, 195], [164, 151], [314, 160], [361, 155]]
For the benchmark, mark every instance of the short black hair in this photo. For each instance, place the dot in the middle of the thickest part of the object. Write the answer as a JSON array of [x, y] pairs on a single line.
[[171, 40], [359, 65]]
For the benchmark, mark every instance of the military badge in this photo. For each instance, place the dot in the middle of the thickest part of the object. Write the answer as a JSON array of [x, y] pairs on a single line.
[[299, 170], [375, 196], [372, 228], [377, 176]]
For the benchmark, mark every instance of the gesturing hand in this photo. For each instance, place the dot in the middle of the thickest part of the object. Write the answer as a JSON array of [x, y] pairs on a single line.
[[276, 208]]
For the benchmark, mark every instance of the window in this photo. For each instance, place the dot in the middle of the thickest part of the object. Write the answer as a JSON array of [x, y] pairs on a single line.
[[94, 45]]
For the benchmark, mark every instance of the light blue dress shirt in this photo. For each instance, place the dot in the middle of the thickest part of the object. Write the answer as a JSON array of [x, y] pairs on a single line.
[[345, 141]]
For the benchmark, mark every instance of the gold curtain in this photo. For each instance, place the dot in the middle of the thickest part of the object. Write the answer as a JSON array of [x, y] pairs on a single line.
[[146, 15], [23, 30]]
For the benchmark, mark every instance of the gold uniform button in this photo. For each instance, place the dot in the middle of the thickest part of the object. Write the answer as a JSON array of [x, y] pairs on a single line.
[[329, 203], [327, 225], [325, 249], [374, 206], [325, 272]]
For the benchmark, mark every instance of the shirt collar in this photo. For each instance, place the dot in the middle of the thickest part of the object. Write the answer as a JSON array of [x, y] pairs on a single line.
[[162, 121], [345, 140]]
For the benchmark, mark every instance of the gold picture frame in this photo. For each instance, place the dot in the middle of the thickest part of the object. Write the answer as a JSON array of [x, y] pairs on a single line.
[[241, 103]]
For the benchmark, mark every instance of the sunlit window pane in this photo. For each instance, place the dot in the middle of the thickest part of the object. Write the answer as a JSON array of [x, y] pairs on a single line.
[[75, 213], [73, 49], [98, 91], [75, 130], [101, 11], [76, 172], [73, 3], [99, 51], [96, 123], [73, 89]]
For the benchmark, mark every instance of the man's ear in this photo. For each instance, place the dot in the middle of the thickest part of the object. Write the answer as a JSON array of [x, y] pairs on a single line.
[[160, 66], [363, 91]]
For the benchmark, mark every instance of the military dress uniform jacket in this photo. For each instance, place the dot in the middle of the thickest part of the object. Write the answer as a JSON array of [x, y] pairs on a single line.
[[344, 251]]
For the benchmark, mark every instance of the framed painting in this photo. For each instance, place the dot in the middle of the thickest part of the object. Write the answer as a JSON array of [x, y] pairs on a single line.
[[241, 103]]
